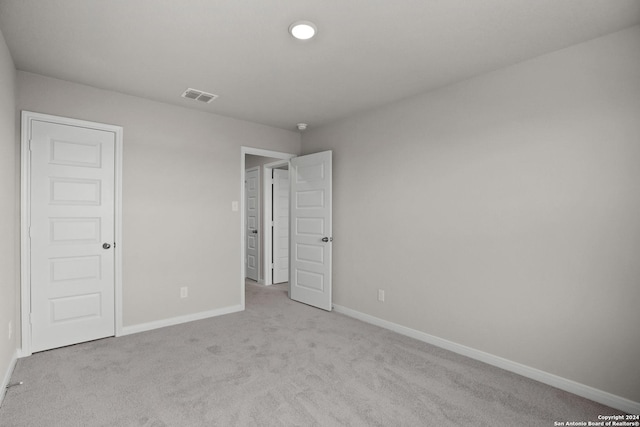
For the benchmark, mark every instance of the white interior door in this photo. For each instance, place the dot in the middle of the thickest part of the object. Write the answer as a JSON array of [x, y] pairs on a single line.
[[280, 226], [72, 233], [252, 218], [310, 244]]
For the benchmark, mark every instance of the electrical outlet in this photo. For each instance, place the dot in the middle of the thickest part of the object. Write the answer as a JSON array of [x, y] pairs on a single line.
[[10, 328], [381, 295], [184, 292]]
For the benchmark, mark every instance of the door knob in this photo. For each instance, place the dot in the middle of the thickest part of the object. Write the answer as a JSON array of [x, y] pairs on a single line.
[[327, 239], [254, 231], [106, 246]]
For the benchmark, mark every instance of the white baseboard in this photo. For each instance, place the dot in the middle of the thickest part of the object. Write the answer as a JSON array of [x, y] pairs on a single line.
[[7, 376], [579, 389], [134, 329]]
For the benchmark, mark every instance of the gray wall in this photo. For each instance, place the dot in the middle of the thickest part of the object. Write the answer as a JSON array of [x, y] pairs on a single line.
[[503, 213], [9, 204], [181, 173]]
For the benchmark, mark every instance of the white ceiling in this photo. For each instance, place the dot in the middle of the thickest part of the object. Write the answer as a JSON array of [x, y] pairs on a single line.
[[367, 52]]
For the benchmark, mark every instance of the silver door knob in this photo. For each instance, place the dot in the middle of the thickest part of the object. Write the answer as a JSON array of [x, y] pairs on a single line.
[[327, 239], [106, 246]]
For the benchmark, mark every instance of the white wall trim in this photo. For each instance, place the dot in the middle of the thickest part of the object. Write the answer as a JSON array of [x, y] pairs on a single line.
[[579, 389], [7, 376], [256, 152], [149, 326], [25, 214]]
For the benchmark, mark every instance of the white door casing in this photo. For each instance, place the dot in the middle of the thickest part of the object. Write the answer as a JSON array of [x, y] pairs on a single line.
[[252, 218], [280, 226], [72, 215], [311, 229]]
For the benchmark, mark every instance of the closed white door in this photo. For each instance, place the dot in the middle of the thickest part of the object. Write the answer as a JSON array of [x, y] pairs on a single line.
[[72, 234], [252, 240], [280, 226], [310, 200]]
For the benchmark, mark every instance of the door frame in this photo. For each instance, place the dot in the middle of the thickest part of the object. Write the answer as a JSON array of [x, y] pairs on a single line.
[[268, 216], [25, 214], [256, 152]]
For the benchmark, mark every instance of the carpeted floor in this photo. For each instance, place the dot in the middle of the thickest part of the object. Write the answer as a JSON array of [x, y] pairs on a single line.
[[278, 363]]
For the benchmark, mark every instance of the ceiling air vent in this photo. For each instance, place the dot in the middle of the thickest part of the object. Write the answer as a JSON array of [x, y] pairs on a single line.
[[199, 95]]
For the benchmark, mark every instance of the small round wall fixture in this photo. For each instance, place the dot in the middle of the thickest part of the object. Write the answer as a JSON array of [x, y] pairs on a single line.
[[302, 126], [303, 30]]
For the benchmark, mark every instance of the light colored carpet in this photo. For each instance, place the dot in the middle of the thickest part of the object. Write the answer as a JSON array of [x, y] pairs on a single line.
[[278, 363]]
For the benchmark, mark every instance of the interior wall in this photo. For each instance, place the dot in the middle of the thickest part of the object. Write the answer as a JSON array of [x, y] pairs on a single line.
[[251, 161], [9, 208], [502, 213], [181, 171]]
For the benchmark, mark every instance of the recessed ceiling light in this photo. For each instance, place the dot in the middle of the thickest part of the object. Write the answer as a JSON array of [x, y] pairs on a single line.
[[303, 30]]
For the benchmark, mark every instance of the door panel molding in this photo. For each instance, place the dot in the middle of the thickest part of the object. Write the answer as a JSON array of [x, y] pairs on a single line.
[[27, 119]]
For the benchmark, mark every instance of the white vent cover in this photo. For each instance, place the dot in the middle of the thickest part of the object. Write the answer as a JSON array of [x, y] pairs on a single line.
[[199, 95]]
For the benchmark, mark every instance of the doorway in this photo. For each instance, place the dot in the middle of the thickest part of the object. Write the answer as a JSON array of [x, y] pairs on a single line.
[[310, 226], [256, 157]]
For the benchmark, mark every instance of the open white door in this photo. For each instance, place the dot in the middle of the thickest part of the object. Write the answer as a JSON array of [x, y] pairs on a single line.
[[310, 244], [280, 226]]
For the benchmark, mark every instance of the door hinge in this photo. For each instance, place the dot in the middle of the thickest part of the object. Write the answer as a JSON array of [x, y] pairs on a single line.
[[272, 266], [273, 224]]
